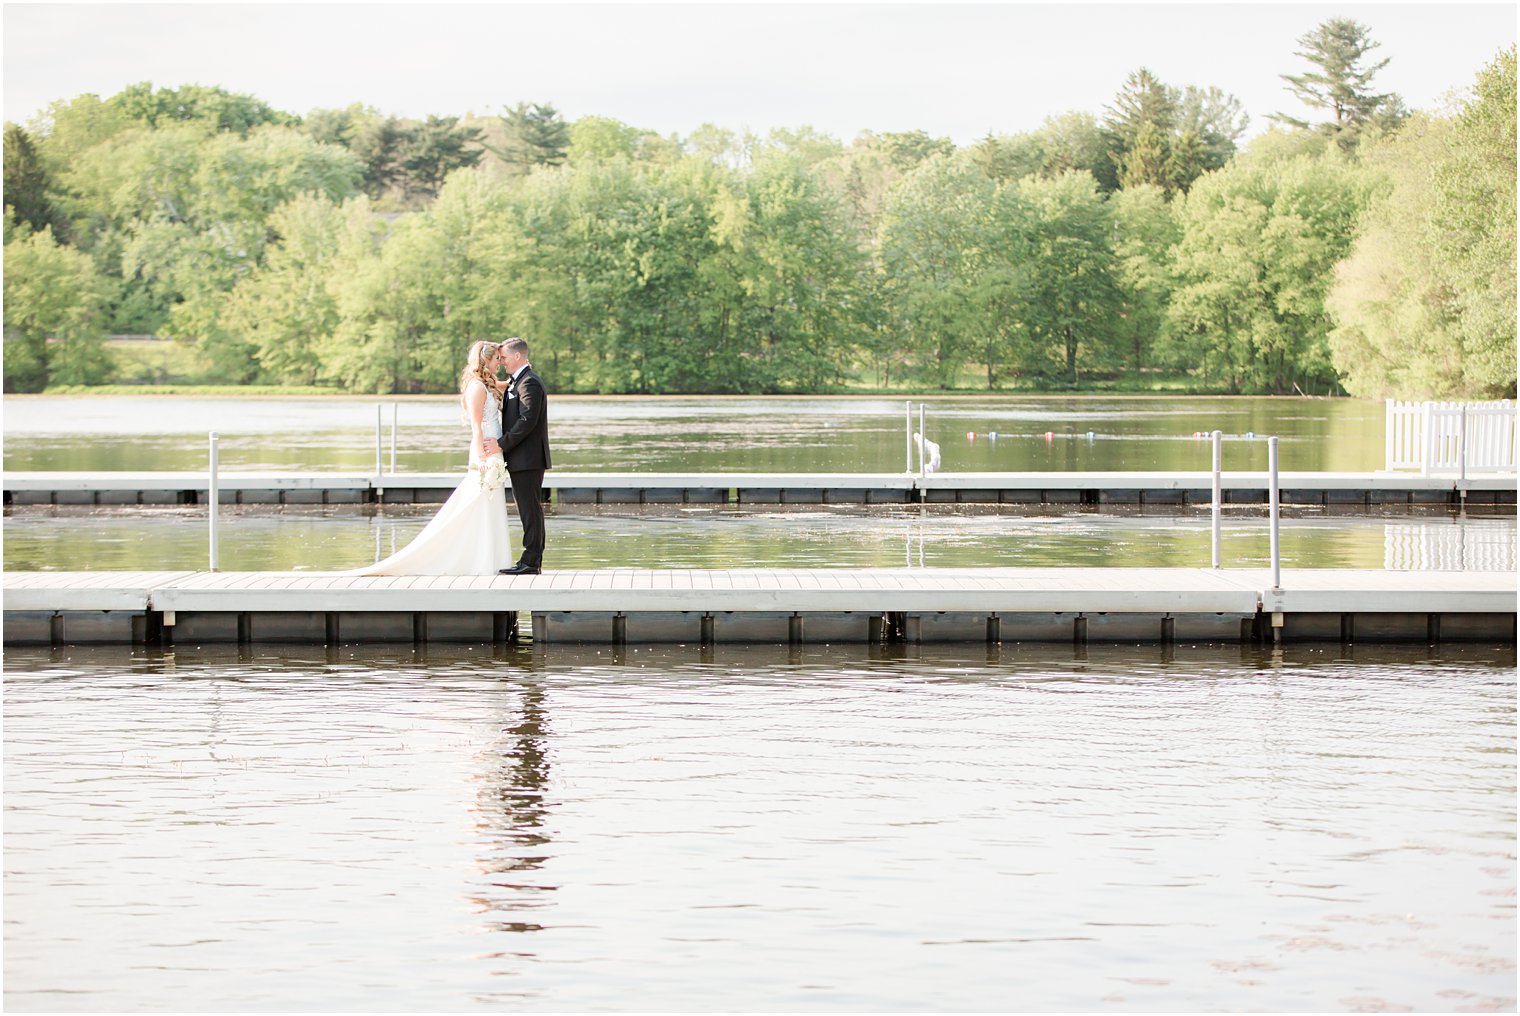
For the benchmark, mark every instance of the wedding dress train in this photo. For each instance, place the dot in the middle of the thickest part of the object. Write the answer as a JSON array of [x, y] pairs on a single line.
[[469, 534]]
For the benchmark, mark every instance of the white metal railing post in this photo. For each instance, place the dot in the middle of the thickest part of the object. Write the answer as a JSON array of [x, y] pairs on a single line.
[[1218, 439], [923, 445], [393, 438], [212, 497], [1272, 512], [908, 436], [379, 461]]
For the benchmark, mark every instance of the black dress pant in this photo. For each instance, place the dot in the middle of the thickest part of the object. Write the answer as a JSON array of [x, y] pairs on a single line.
[[527, 494]]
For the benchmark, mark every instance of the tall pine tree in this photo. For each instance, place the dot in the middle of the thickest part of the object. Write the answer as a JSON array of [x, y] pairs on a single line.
[[1341, 84], [26, 182], [535, 135]]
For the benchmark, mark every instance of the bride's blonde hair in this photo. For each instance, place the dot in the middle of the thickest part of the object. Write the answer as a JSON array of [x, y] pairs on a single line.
[[475, 368]]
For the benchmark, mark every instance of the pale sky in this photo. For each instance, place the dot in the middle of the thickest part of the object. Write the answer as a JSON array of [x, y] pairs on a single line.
[[956, 70]]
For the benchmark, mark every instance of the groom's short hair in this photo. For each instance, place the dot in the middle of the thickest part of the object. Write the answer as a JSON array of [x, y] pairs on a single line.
[[517, 345]]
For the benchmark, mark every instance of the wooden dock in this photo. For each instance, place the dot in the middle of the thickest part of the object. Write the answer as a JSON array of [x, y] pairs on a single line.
[[569, 488], [791, 606]]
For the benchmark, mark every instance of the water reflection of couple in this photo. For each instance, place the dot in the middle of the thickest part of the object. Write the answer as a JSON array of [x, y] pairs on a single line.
[[509, 440]]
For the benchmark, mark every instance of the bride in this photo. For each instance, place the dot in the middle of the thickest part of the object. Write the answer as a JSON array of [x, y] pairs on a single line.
[[469, 534]]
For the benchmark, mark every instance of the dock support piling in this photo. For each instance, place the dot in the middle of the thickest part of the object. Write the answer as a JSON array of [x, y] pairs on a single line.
[[503, 627], [1079, 630], [994, 630], [707, 631], [794, 630], [619, 629]]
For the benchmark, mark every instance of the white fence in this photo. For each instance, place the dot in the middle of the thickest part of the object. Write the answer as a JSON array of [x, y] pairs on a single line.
[[1450, 437]]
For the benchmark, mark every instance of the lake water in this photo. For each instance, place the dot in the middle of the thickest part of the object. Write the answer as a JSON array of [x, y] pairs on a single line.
[[751, 829], [700, 434], [272, 538], [731, 434]]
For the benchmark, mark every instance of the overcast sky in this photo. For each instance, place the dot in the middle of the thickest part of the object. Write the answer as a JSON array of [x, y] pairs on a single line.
[[956, 70]]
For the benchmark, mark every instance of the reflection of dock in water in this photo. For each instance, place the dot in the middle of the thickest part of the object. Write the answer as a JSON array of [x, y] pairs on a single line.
[[763, 605], [1367, 490]]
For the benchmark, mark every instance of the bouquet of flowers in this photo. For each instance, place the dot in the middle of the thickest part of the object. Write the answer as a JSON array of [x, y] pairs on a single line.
[[493, 473]]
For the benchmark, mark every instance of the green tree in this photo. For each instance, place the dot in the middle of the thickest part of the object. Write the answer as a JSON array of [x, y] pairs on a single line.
[[1425, 304], [55, 314], [286, 309], [1148, 159], [1341, 84], [1072, 142], [535, 135], [186, 217], [805, 143], [906, 149], [26, 182], [429, 151], [1474, 227], [602, 137], [1260, 239], [214, 108], [375, 139], [935, 232], [1073, 295], [959, 270], [1144, 232], [1216, 121], [409, 308], [1395, 326]]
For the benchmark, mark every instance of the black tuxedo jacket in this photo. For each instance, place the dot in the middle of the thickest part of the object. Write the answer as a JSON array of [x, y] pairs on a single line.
[[525, 423]]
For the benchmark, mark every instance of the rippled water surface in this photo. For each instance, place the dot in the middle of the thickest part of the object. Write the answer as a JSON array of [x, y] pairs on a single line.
[[271, 537], [839, 829], [708, 434]]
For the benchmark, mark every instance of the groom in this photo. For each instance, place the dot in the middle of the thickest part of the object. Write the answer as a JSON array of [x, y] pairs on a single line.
[[525, 445]]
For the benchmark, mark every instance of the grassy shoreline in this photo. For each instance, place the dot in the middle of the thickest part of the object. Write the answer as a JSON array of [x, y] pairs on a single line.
[[326, 392], [241, 393]]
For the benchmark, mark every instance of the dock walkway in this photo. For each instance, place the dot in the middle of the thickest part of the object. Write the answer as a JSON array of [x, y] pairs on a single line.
[[771, 605]]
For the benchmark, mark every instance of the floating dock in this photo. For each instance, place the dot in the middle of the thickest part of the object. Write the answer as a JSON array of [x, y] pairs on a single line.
[[771, 605], [568, 488]]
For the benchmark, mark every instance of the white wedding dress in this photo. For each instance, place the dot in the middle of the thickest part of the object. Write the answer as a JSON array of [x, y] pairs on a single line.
[[469, 534]]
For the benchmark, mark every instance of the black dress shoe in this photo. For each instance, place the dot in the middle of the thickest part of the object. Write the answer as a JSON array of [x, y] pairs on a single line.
[[519, 569]]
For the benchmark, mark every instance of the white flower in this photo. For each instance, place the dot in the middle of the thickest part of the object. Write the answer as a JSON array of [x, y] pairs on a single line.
[[493, 473]]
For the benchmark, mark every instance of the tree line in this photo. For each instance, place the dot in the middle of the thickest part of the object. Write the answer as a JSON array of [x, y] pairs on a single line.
[[1371, 251]]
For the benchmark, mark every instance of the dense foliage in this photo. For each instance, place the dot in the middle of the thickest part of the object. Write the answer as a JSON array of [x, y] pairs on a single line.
[[1372, 255]]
